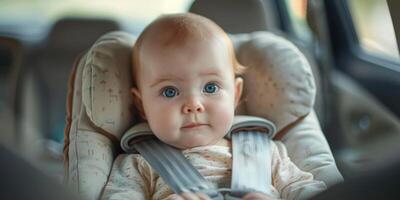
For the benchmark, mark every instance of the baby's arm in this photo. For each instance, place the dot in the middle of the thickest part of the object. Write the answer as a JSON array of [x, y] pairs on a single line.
[[288, 179], [127, 180]]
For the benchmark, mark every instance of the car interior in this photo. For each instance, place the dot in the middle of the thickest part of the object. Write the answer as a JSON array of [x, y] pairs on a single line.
[[351, 46]]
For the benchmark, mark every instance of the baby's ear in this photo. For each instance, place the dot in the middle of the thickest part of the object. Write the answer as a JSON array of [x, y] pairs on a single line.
[[137, 101], [238, 89]]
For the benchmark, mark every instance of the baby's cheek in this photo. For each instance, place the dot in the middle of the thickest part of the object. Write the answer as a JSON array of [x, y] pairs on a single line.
[[163, 123], [223, 115], [161, 131]]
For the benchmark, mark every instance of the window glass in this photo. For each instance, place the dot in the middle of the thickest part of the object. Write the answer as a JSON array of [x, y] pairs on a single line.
[[33, 16], [297, 10], [374, 27], [30, 21]]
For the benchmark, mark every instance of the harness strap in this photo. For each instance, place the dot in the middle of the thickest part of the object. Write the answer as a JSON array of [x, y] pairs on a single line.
[[174, 168], [251, 155], [251, 165]]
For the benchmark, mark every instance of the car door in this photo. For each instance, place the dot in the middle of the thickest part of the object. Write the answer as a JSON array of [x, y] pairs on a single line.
[[355, 45], [366, 80]]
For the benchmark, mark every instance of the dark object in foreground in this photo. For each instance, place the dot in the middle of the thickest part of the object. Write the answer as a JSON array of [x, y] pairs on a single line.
[[20, 180], [381, 183]]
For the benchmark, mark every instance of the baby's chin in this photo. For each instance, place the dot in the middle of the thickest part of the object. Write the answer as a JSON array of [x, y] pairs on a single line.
[[189, 145], [192, 143], [193, 138]]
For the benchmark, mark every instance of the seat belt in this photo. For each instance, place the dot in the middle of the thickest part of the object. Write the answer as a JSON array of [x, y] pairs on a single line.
[[251, 137], [251, 155], [167, 161]]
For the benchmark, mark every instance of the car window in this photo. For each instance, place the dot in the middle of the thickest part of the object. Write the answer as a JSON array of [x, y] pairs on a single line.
[[30, 18], [297, 11], [374, 28]]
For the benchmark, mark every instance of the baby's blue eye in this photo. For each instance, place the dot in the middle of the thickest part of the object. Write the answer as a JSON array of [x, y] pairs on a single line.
[[210, 88], [169, 92]]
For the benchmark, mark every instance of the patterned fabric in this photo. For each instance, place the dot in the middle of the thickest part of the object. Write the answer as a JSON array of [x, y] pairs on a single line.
[[133, 178], [278, 83], [106, 83], [98, 112]]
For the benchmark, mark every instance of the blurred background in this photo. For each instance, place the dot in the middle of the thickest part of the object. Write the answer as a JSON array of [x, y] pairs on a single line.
[[48, 36], [351, 45]]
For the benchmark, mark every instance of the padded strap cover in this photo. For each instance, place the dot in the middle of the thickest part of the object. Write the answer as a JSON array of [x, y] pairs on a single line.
[[245, 122], [134, 133]]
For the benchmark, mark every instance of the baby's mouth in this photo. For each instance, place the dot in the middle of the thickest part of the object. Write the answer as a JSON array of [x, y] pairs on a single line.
[[193, 125]]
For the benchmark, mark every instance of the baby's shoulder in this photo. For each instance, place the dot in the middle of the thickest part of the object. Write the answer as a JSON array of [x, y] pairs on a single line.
[[126, 160], [278, 147]]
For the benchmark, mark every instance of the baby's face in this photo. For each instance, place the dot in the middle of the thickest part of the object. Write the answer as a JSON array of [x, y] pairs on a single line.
[[188, 93]]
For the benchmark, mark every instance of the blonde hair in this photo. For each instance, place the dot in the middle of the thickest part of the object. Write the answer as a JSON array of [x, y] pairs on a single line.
[[177, 30]]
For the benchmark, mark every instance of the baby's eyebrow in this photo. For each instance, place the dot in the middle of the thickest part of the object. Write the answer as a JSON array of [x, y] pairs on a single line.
[[212, 71], [210, 74], [173, 78], [160, 80]]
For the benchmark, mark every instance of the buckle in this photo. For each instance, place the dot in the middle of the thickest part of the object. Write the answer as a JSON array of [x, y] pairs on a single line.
[[216, 196], [213, 194], [230, 194]]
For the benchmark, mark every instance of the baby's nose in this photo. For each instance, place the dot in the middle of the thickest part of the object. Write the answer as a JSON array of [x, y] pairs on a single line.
[[193, 106]]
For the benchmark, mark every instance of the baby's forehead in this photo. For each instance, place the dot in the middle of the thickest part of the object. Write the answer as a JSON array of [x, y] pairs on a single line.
[[167, 34], [190, 45], [182, 33], [164, 39], [179, 29]]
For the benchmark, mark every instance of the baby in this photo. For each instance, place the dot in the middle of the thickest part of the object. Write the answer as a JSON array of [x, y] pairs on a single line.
[[186, 88]]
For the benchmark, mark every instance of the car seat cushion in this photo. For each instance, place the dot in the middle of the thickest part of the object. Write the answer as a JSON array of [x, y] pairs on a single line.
[[98, 112], [88, 155], [310, 151], [106, 83], [278, 83]]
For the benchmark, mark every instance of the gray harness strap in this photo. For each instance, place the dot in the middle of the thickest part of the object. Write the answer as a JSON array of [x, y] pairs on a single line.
[[251, 165], [175, 170], [251, 152]]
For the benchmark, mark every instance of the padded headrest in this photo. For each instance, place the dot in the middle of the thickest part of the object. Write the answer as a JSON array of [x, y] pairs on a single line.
[[235, 16], [278, 84], [106, 83], [79, 33]]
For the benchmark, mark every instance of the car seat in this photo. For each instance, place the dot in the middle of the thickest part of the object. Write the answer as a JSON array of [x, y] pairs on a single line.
[[238, 16], [278, 86]]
